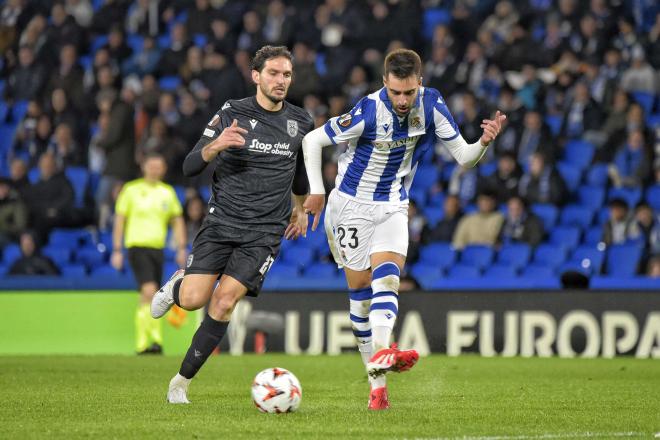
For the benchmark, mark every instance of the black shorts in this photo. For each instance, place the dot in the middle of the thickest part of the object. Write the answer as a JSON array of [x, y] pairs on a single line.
[[147, 264], [240, 253]]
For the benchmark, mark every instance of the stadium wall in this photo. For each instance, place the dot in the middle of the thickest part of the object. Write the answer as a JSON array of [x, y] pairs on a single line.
[[565, 323]]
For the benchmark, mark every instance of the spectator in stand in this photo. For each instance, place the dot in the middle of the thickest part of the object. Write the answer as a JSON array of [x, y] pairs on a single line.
[[81, 10], [35, 144], [199, 18], [175, 55], [144, 18], [50, 199], [640, 76], [111, 12], [65, 149], [18, 170], [64, 29], [653, 267], [191, 71], [444, 230], [504, 181], [278, 25], [117, 47], [632, 164], [221, 38], [251, 37], [31, 261], [416, 228], [307, 78], [167, 109], [439, 70], [481, 227], [143, 62], [534, 136], [542, 184], [69, 77], [28, 79], [520, 225], [582, 114], [194, 212], [463, 184], [192, 120], [222, 80], [617, 228], [61, 112], [13, 214], [645, 229]]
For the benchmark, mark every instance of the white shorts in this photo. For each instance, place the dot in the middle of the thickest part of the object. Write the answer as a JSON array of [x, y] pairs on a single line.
[[356, 230]]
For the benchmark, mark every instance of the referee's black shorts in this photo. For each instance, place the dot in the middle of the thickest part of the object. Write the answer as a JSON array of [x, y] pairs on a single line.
[[147, 264], [242, 254]]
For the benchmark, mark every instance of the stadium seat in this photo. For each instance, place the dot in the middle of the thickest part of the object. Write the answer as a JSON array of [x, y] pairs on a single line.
[[424, 271], [597, 175], [631, 195], [6, 137], [439, 254], [91, 257], [576, 266], [73, 270], [59, 255], [4, 111], [477, 255], [135, 42], [321, 270], [418, 194], [538, 271], [500, 271], [463, 271], [566, 236], [571, 175], [576, 215], [623, 260], [589, 256], [514, 254], [3, 270], [593, 235], [97, 43], [69, 238], [437, 199], [549, 255], [200, 40], [280, 269], [316, 240], [19, 110], [298, 255], [105, 270], [205, 192], [79, 177], [653, 196], [653, 121], [180, 191], [591, 196], [547, 213], [10, 253], [432, 18], [603, 215], [644, 99], [579, 153], [487, 169], [164, 41], [554, 123], [433, 215], [169, 83], [426, 176]]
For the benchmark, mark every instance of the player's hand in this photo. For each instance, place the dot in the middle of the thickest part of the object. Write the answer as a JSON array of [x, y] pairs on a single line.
[[231, 136], [492, 128], [297, 224], [117, 260], [181, 258], [314, 205]]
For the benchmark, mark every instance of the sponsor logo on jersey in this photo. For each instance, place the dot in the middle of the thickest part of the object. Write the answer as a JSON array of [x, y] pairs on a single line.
[[345, 120], [280, 148], [209, 133], [214, 121], [292, 127], [385, 145]]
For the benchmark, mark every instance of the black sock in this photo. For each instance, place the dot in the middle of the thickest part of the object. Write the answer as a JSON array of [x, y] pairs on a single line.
[[175, 291], [206, 338]]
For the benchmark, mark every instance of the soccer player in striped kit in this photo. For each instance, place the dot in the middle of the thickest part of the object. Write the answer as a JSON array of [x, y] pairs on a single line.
[[366, 222]]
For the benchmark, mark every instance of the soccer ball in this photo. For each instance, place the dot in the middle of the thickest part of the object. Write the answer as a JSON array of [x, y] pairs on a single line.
[[276, 390]]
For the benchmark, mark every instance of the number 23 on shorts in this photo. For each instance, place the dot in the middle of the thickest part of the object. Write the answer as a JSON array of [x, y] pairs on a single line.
[[347, 236]]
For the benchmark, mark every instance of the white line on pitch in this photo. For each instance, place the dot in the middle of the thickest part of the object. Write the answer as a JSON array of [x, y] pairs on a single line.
[[540, 436]]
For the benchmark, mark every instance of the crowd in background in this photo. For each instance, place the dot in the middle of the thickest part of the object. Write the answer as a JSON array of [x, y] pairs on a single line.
[[108, 82]]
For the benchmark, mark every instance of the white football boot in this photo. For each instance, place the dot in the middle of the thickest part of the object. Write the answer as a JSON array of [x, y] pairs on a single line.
[[178, 390], [164, 298]]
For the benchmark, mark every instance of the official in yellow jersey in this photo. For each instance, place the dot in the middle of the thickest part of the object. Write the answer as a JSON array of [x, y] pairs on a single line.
[[145, 207]]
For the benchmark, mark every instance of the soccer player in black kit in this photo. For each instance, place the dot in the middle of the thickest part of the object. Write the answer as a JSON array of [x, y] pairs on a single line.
[[254, 145]]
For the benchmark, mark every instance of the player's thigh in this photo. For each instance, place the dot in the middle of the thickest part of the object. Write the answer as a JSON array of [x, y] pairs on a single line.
[[196, 290], [225, 297], [390, 239], [350, 226], [251, 260]]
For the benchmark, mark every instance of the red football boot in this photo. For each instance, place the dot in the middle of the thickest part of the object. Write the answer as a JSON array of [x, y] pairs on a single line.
[[391, 359], [378, 399]]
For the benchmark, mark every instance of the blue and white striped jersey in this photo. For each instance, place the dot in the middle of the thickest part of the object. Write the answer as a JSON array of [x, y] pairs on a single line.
[[384, 149]]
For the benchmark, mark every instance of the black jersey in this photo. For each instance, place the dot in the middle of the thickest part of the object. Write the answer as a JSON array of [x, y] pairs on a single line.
[[252, 185]]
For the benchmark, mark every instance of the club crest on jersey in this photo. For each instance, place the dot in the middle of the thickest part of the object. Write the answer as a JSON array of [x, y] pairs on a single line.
[[416, 122], [292, 127], [214, 121], [345, 120]]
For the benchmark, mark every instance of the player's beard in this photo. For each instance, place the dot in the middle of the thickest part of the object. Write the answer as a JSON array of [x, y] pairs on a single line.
[[272, 98]]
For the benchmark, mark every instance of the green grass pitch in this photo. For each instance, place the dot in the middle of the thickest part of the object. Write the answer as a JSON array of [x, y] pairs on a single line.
[[467, 397]]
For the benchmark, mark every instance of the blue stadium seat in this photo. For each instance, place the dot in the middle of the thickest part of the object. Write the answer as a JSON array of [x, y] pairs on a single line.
[[180, 191], [200, 40], [316, 239], [280, 269], [576, 266], [488, 168], [623, 260], [105, 270], [73, 270], [426, 176], [97, 43], [6, 137], [3, 270], [589, 256], [593, 235], [424, 271], [432, 18], [169, 83], [69, 238], [205, 192], [4, 111], [597, 175], [591, 197], [653, 121], [91, 257], [59, 255], [19, 110], [433, 215], [500, 271], [554, 123], [298, 255], [321, 270], [418, 194], [514, 254], [477, 255], [644, 99], [576, 215], [547, 213], [571, 175], [164, 41], [579, 153], [603, 215], [135, 42], [549, 255], [566, 236], [653, 196], [437, 199], [631, 195], [463, 271], [538, 271], [10, 253], [439, 254], [79, 177]]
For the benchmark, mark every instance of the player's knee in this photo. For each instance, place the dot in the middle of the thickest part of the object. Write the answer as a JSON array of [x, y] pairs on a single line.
[[192, 297], [223, 306], [386, 277]]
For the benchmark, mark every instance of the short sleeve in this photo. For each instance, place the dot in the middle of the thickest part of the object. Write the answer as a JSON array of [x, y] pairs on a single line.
[[123, 205], [445, 127], [351, 125], [217, 123]]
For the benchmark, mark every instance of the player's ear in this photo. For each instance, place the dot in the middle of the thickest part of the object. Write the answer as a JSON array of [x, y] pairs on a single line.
[[255, 76], [420, 81]]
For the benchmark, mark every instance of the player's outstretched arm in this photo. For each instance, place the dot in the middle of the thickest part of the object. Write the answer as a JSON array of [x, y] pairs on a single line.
[[469, 154], [205, 151], [312, 145]]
